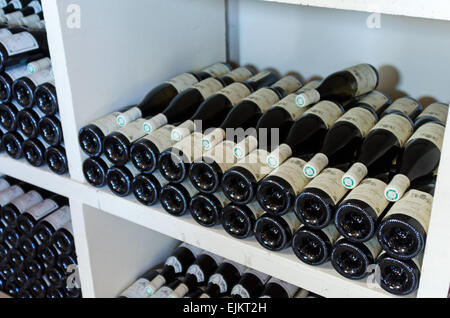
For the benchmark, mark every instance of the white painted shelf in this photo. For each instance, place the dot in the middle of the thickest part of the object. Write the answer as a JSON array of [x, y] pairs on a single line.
[[112, 60]]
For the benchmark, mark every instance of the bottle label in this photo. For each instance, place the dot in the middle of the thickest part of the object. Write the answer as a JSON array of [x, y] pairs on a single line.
[[235, 92], [137, 290], [307, 98], [163, 292], [3, 3], [279, 155], [361, 118], [208, 87], [39, 65], [374, 247], [42, 209], [219, 280], [162, 181], [398, 125], [10, 194], [213, 138], [404, 105], [415, 204], [370, 191], [4, 184], [375, 99], [354, 175], [365, 76], [154, 123], [5, 33], [19, 43], [59, 218], [189, 187], [239, 290], [182, 131], [255, 163], [27, 200], [309, 86], [129, 116], [256, 209], [107, 124], [292, 172], [223, 155], [240, 74], [17, 4], [36, 6], [41, 77], [329, 181], [437, 110], [161, 138], [246, 146], [328, 111], [191, 147], [17, 71], [397, 188], [259, 76], [288, 103], [292, 221], [431, 132], [316, 165], [197, 272], [332, 233], [289, 84], [175, 264], [217, 69], [133, 131], [264, 98], [289, 288], [183, 82]]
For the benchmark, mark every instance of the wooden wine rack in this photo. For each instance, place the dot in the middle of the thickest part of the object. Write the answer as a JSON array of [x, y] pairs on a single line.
[[119, 50]]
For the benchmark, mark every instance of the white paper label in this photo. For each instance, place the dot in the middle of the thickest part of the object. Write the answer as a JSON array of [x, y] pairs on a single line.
[[17, 71], [398, 125], [240, 291], [365, 77], [4, 184], [292, 172], [397, 188], [415, 204], [376, 100], [264, 98], [183, 81], [223, 155], [288, 103], [328, 111], [197, 272], [41, 77], [19, 43], [354, 175], [255, 163], [217, 69], [240, 74], [404, 105], [235, 92], [5, 33], [307, 98], [27, 200], [129, 116], [17, 4], [10, 194], [107, 124], [329, 181], [163, 292], [213, 138], [36, 6], [137, 290], [59, 218], [182, 131], [219, 280], [42, 209], [437, 110], [315, 166], [161, 138], [361, 118], [431, 132], [191, 147], [246, 146], [370, 191], [279, 155], [133, 131], [374, 247], [39, 65], [208, 87], [154, 123], [289, 84], [175, 264]]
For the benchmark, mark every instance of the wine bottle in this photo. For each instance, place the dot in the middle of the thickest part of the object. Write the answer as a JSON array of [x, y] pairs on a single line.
[[436, 112], [307, 133], [316, 205], [277, 192], [30, 20], [39, 65], [212, 111], [147, 187], [6, 182], [160, 97], [175, 266], [47, 227], [11, 237], [117, 144], [185, 104], [28, 122], [91, 136], [11, 211], [16, 259], [34, 268], [247, 113], [64, 261], [23, 88], [197, 274], [38, 287], [8, 116], [12, 289], [314, 247], [14, 5], [406, 105], [120, 179], [47, 255], [8, 77], [57, 159], [55, 277], [276, 288], [206, 209], [34, 151], [275, 232], [226, 276], [343, 140], [46, 98], [251, 284], [420, 158], [54, 293], [352, 260], [399, 277], [27, 246], [7, 270], [342, 86], [2, 233], [145, 152], [34, 7], [165, 291], [239, 220], [95, 170], [12, 193], [403, 230], [50, 130], [358, 216], [28, 219], [380, 148], [137, 289], [12, 142], [175, 198]]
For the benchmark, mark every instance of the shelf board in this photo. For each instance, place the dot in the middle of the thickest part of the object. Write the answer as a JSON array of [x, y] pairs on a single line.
[[437, 9], [321, 280]]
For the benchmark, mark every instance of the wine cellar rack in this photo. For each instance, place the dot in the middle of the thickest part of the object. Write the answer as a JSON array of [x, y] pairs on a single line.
[[107, 54]]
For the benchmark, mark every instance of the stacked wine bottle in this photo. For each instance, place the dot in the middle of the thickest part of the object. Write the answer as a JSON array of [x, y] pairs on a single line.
[[30, 125], [192, 273], [37, 248], [275, 159]]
